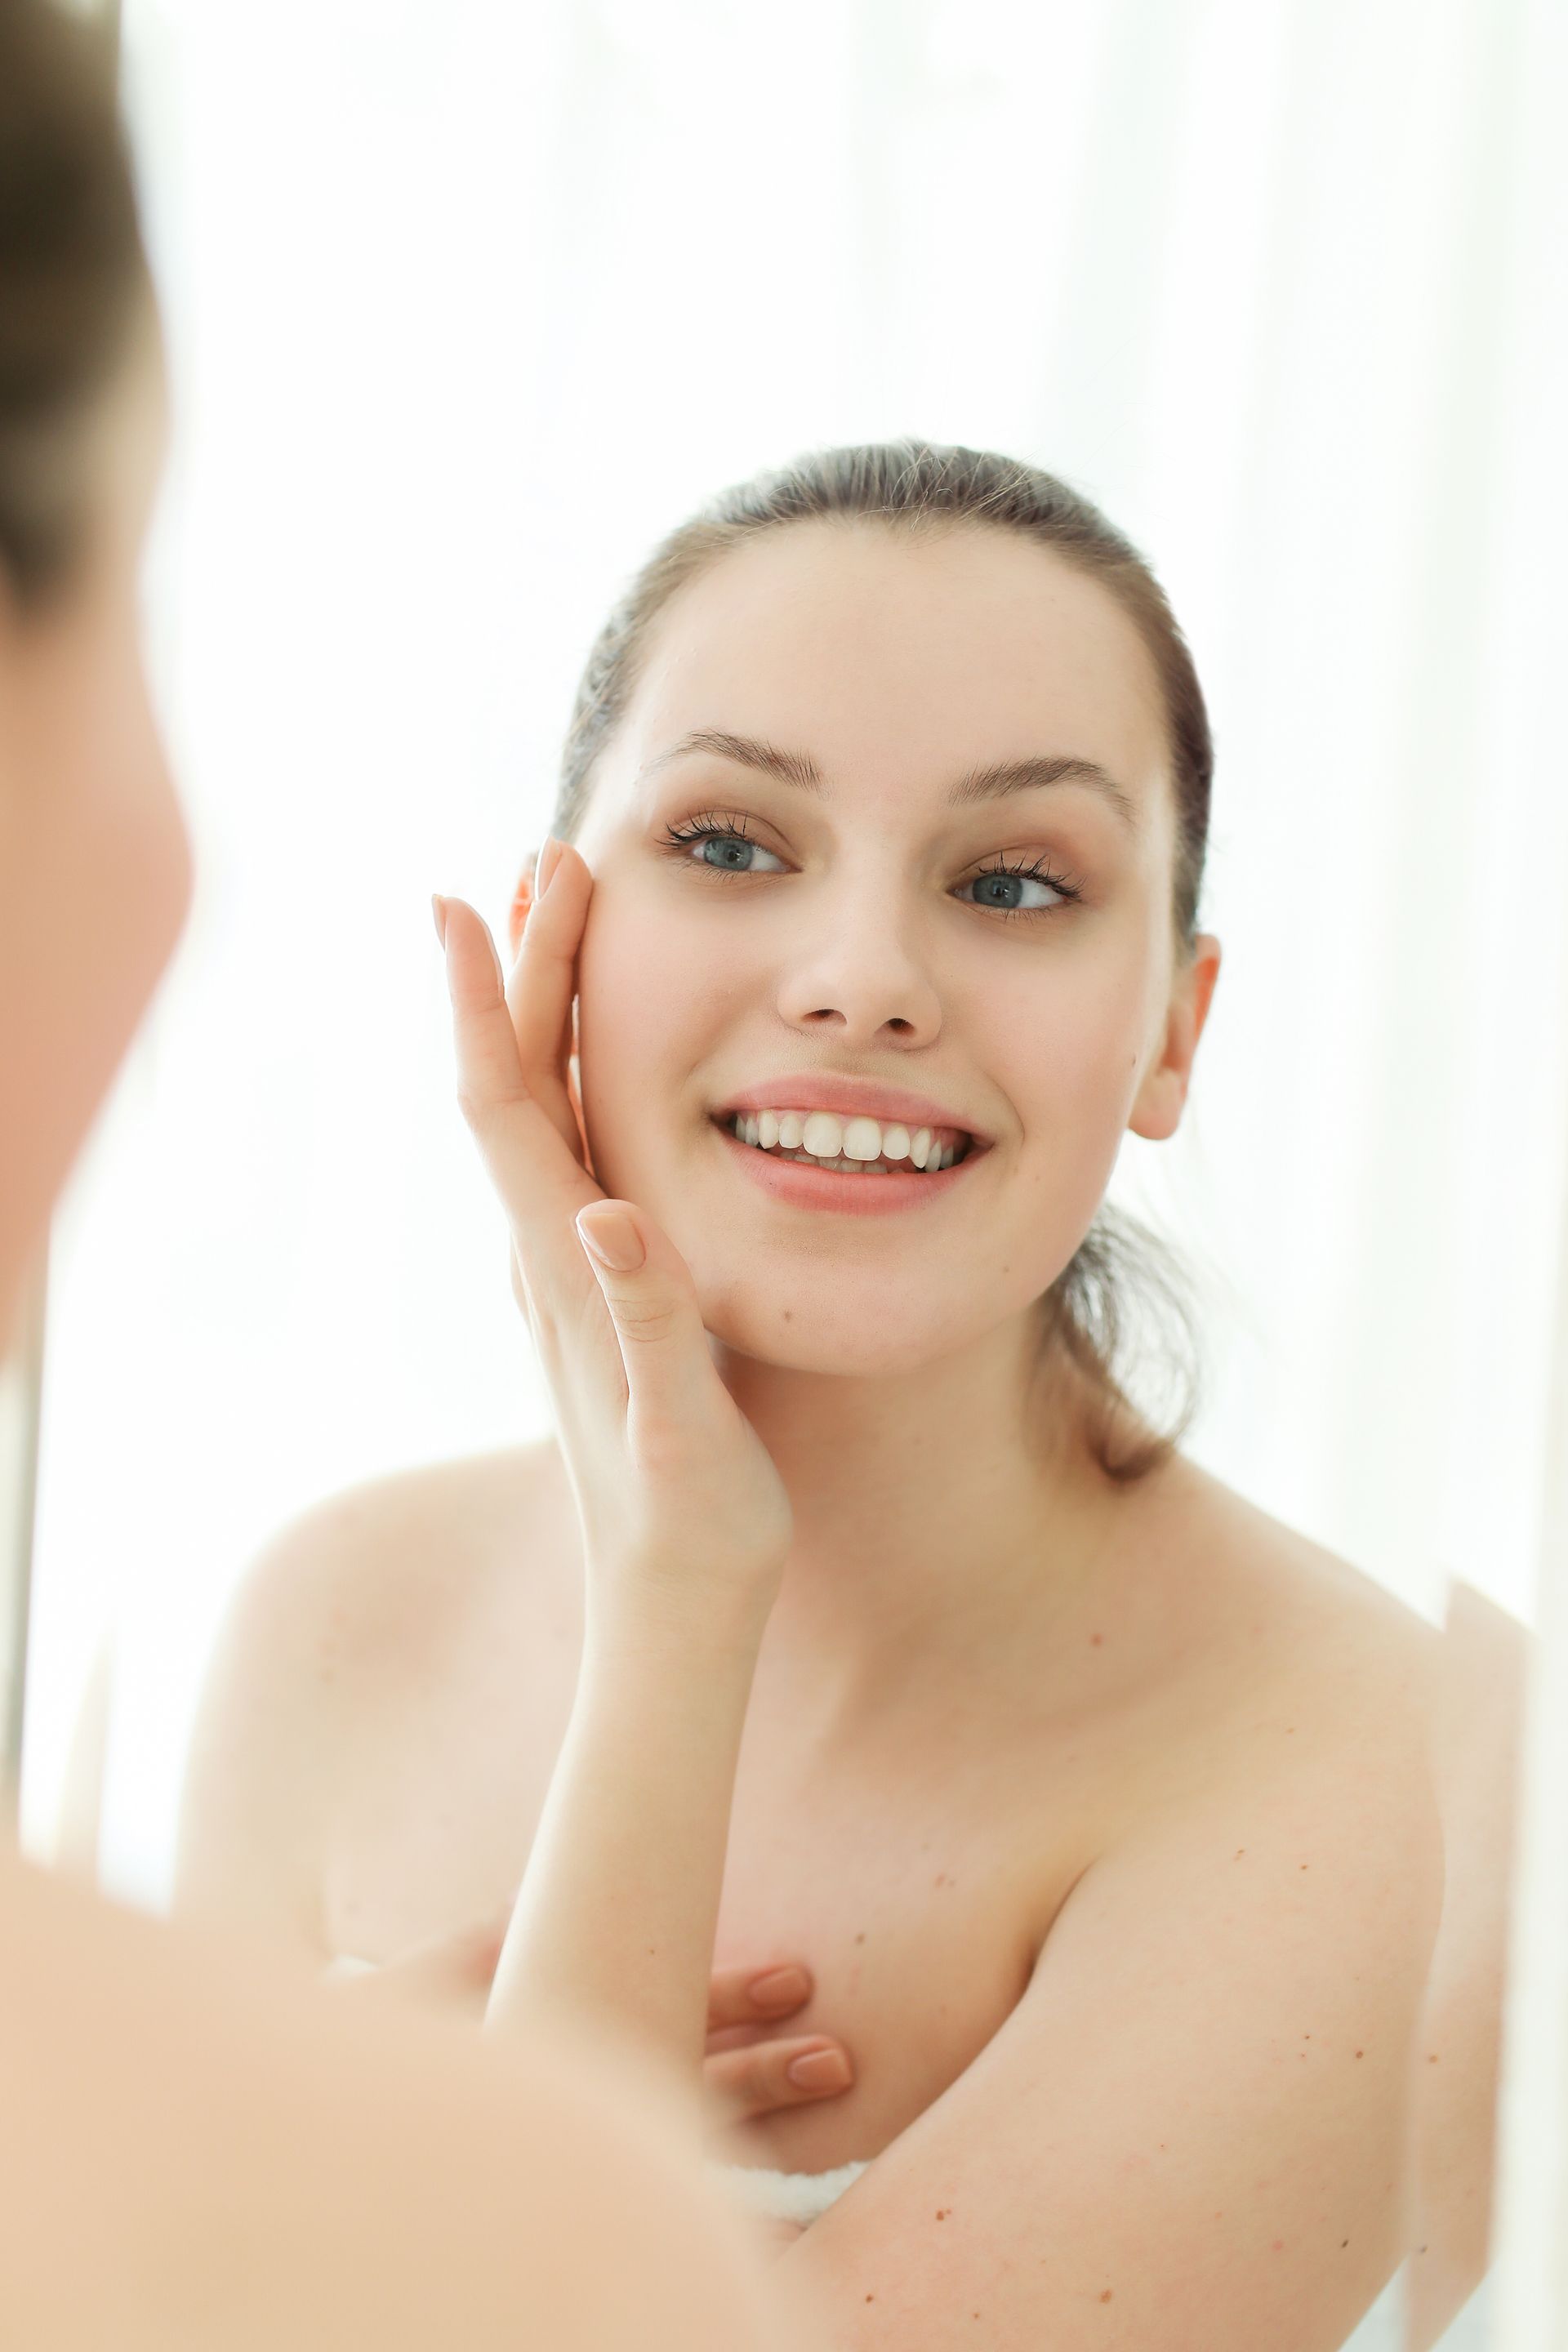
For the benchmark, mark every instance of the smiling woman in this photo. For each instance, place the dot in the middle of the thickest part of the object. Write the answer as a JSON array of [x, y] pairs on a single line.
[[1120, 1293], [857, 1616]]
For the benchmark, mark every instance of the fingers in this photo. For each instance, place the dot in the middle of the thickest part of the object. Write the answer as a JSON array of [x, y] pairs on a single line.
[[508, 1111], [491, 1083], [750, 1996], [756, 2079], [676, 1399], [544, 984], [768, 2076], [574, 1094]]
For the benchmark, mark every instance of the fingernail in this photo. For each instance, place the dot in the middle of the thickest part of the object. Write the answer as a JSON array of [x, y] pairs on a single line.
[[822, 2070], [548, 860], [780, 1989], [613, 1238], [438, 909]]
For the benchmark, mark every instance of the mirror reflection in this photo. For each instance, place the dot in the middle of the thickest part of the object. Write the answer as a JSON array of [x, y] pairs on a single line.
[[1041, 1547]]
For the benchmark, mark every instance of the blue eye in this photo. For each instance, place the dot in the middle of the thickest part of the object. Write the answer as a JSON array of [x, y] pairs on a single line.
[[1063, 891], [733, 836], [730, 831]]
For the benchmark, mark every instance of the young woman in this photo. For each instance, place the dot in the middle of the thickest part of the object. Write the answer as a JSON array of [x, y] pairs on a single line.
[[854, 1614], [197, 2154]]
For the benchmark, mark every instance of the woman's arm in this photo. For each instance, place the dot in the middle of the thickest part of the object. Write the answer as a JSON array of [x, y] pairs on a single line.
[[685, 1521], [1189, 2136], [619, 1902], [290, 1695]]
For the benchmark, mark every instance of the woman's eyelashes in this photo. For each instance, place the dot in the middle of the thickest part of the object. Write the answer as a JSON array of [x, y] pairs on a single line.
[[730, 829]]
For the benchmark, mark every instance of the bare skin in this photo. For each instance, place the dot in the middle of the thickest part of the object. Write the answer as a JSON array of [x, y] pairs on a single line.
[[379, 1735], [1478, 1719], [404, 2185], [398, 1729], [753, 2064], [201, 2153], [1102, 1812]]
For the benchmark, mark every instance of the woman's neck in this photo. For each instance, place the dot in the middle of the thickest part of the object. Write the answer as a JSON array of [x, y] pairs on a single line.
[[943, 1519]]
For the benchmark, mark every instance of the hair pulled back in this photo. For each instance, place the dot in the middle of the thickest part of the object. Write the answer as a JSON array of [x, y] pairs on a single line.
[[1122, 1288], [73, 276]]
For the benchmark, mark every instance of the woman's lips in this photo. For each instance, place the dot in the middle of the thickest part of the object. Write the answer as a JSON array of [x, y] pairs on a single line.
[[825, 1090], [793, 1183]]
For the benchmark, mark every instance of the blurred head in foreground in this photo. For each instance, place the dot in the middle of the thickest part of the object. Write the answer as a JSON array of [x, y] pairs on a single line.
[[95, 873]]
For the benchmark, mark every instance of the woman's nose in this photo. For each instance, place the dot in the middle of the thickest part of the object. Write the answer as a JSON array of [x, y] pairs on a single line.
[[861, 974]]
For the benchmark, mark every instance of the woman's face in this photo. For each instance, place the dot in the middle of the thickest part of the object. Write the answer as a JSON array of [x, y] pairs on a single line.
[[95, 873], [860, 938]]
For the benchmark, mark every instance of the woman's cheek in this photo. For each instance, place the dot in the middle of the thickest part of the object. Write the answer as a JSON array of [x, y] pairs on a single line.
[[635, 1007], [1087, 1051]]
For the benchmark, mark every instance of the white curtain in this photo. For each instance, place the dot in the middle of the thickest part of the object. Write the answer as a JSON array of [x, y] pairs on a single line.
[[467, 305]]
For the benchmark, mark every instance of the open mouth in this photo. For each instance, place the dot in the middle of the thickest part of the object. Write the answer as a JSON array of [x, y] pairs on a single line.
[[927, 1151]]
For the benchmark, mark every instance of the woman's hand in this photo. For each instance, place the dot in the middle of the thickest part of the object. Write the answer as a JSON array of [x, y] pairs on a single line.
[[741, 2079], [746, 2078], [685, 1523]]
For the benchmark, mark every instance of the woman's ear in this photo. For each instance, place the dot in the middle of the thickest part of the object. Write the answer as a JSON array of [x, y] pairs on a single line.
[[1157, 1106]]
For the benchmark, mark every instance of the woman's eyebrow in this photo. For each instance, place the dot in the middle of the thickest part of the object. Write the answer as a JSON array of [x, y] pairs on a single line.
[[1003, 776]]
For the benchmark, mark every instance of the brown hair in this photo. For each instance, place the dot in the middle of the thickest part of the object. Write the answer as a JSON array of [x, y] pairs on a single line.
[[73, 278], [918, 488]]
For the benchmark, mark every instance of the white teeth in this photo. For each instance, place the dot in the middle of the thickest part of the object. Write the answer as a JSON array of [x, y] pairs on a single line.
[[852, 1145]]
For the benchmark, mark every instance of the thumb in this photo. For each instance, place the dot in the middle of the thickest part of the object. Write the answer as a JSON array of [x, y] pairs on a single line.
[[653, 1305]]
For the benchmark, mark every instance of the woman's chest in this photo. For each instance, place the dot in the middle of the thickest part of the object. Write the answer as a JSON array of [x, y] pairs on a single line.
[[919, 1918], [915, 1880]]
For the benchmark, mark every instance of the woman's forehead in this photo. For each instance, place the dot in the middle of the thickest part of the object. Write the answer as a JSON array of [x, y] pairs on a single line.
[[862, 645]]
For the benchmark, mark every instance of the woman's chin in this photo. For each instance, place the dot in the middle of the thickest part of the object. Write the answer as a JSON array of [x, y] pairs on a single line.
[[783, 1327]]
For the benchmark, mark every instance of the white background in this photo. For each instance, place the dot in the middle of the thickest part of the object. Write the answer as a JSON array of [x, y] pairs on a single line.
[[467, 306]]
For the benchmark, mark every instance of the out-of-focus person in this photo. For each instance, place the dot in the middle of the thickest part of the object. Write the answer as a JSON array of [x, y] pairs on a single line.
[[198, 2151]]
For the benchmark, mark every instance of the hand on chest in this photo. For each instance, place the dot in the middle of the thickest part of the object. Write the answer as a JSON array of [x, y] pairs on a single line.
[[918, 1944]]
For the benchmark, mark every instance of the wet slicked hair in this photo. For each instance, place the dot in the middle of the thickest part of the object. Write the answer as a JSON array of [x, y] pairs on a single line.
[[1121, 1306]]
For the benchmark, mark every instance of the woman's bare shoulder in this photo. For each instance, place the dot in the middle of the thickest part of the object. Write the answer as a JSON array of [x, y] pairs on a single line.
[[353, 1597], [1287, 1705], [1268, 1644], [1232, 1572], [395, 1561], [1485, 1669]]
